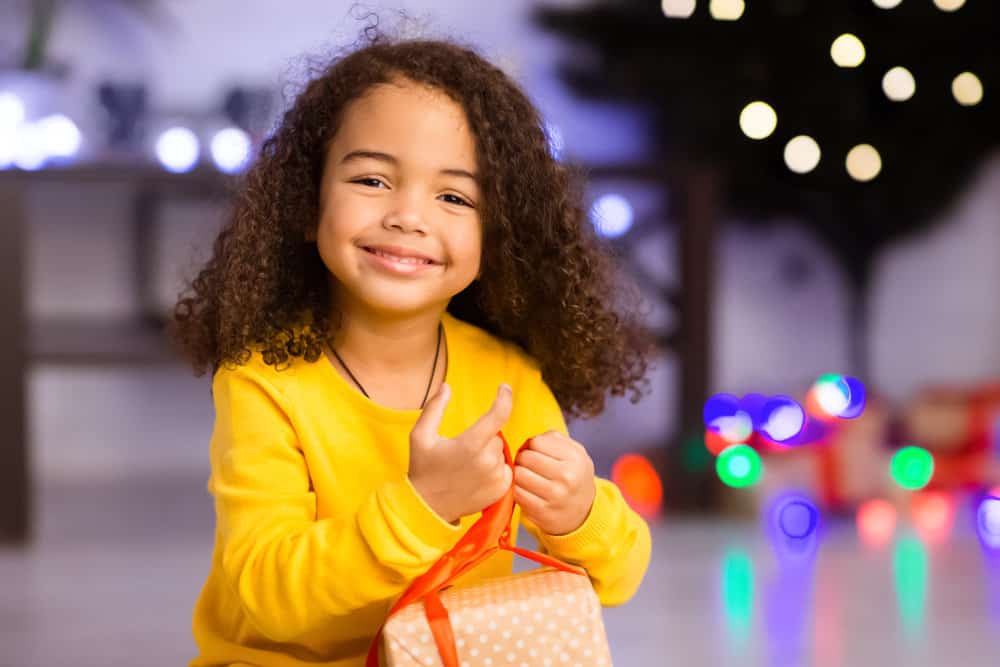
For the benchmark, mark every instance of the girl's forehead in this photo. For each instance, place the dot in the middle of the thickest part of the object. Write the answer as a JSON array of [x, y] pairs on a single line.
[[408, 121]]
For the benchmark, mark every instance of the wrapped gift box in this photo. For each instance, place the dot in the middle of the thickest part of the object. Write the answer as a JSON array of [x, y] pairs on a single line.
[[544, 617]]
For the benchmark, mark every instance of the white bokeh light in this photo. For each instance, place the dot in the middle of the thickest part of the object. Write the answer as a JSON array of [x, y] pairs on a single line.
[[802, 154], [11, 110], [29, 147], [8, 146], [612, 215], [785, 422], [726, 10], [886, 4], [231, 149], [62, 136], [864, 163], [967, 89], [758, 120], [898, 84], [831, 398], [949, 5], [988, 518], [847, 51], [678, 9], [177, 149]]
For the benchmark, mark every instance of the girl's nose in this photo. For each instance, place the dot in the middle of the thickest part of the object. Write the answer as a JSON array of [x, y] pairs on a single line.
[[404, 218]]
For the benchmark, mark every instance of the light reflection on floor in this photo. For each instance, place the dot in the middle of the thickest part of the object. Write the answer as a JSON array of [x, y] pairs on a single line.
[[107, 584]]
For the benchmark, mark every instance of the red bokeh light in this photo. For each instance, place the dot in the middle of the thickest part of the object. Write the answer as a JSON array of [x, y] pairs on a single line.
[[639, 483], [714, 442], [933, 515], [876, 522]]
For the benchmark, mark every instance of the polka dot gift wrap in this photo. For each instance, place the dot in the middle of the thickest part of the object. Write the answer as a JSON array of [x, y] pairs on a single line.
[[544, 618]]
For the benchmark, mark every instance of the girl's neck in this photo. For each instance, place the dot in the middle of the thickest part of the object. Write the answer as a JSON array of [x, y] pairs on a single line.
[[379, 347]]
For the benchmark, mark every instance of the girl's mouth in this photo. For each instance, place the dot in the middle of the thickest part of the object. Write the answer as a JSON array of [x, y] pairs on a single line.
[[398, 265]]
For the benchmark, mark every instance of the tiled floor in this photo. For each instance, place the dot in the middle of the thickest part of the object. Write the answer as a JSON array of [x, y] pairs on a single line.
[[115, 570]]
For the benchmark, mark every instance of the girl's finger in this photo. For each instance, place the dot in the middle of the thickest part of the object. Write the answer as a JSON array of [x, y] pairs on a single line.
[[531, 481], [541, 464]]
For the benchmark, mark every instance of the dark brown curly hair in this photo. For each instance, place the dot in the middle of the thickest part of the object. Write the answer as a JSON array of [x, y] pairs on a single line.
[[548, 282]]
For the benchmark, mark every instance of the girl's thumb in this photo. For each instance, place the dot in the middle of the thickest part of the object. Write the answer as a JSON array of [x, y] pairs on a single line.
[[433, 412]]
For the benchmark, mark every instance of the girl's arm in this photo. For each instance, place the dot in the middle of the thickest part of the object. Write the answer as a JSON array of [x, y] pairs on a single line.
[[613, 543], [292, 573]]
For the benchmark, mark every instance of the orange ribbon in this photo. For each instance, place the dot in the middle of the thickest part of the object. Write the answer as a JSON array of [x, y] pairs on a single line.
[[488, 535]]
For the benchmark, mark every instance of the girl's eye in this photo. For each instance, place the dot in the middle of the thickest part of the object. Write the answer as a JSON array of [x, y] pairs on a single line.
[[372, 182], [457, 200]]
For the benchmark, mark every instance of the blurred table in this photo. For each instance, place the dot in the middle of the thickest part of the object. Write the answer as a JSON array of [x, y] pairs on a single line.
[[23, 342]]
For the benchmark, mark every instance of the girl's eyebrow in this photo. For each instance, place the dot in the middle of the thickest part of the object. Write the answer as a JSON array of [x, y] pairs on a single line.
[[391, 159]]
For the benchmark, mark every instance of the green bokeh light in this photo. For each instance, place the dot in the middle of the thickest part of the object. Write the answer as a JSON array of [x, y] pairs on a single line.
[[912, 467], [737, 593], [739, 466], [910, 567]]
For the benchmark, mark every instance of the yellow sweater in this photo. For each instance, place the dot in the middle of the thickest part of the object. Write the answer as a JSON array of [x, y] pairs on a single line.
[[318, 529]]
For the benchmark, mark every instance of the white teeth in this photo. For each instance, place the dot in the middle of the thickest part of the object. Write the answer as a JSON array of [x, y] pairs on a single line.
[[401, 260]]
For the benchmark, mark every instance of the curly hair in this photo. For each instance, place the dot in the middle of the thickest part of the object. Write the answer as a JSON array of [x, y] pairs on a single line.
[[547, 283]]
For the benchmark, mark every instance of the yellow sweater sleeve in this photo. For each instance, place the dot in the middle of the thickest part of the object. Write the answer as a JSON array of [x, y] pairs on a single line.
[[291, 572], [613, 543]]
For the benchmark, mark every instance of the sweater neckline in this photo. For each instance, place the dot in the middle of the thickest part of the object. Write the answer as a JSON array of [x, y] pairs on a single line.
[[363, 404]]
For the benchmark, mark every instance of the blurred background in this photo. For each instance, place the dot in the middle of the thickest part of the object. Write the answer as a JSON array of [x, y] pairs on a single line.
[[807, 193]]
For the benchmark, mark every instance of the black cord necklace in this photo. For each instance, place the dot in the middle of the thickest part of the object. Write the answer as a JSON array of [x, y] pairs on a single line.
[[437, 351]]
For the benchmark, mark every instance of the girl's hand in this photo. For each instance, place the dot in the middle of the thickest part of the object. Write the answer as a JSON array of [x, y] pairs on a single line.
[[462, 475], [554, 483]]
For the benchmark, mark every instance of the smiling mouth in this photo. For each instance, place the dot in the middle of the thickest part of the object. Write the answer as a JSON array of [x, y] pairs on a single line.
[[399, 260]]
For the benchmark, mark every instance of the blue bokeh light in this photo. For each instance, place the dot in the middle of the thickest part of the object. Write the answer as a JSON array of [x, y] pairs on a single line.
[[612, 215]]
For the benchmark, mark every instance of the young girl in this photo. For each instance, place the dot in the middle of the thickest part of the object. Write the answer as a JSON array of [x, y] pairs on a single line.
[[407, 271]]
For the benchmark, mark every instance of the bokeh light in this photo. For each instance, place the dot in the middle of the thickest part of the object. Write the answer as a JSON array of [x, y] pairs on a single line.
[[738, 593], [230, 149], [863, 163], [753, 405], [8, 146], [833, 394], [726, 10], [988, 520], [722, 414], [61, 135], [12, 112], [847, 51], [898, 84], [639, 483], [949, 5], [612, 215], [798, 518], [859, 398], [793, 524], [967, 89], [783, 418], [912, 467], [758, 120], [30, 150], [739, 466], [876, 521], [909, 565], [678, 9], [802, 154], [886, 4], [177, 149], [933, 515], [714, 442], [719, 405]]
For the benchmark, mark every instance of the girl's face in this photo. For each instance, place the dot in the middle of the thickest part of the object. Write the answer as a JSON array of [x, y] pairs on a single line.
[[400, 179]]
